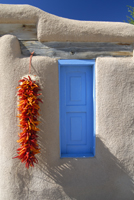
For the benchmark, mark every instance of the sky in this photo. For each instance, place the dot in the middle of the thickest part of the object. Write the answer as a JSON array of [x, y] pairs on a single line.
[[88, 10]]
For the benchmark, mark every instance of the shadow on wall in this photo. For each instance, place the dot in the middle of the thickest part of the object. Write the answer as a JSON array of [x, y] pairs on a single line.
[[96, 178]]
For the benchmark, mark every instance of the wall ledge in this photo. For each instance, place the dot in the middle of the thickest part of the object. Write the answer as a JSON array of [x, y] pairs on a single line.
[[54, 28]]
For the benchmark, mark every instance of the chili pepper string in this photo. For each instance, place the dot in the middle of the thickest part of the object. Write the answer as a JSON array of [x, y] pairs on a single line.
[[30, 62], [28, 116]]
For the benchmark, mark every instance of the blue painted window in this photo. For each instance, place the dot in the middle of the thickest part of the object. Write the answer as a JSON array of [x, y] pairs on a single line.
[[77, 108]]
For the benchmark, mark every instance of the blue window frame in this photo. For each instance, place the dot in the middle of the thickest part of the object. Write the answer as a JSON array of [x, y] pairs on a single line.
[[77, 108]]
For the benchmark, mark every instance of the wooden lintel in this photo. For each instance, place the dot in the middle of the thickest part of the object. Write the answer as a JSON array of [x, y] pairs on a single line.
[[21, 31], [68, 50]]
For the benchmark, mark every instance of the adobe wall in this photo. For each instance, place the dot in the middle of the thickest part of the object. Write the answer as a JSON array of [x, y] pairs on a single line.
[[107, 176], [110, 175]]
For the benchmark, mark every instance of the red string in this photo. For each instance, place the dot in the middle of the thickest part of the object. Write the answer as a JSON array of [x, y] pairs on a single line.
[[30, 62]]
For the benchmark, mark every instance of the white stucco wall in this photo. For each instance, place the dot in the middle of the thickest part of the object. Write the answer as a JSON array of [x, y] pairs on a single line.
[[109, 175]]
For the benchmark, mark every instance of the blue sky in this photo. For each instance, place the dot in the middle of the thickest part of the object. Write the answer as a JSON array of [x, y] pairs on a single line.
[[95, 10]]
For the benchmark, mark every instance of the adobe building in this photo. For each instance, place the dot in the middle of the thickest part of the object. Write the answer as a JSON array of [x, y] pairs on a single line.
[[86, 72]]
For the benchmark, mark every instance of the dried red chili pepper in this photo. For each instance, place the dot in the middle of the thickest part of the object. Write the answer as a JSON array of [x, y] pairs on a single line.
[[28, 113]]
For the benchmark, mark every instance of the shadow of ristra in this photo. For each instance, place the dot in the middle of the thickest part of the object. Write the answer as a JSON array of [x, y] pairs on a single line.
[[102, 177]]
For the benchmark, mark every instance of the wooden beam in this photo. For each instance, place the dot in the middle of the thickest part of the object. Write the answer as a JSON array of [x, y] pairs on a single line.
[[21, 31], [27, 34], [70, 50]]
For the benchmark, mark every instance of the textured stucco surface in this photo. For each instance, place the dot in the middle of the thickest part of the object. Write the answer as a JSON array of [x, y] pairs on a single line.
[[115, 106], [54, 28], [109, 175]]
